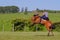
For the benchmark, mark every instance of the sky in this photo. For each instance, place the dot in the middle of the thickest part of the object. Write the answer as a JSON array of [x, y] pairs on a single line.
[[33, 4]]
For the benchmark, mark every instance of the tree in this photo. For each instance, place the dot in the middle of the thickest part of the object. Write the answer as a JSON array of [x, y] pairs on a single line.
[[22, 10], [37, 10], [26, 10], [9, 9]]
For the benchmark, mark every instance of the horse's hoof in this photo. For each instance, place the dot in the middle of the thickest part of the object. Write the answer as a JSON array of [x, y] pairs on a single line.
[[48, 35], [52, 35]]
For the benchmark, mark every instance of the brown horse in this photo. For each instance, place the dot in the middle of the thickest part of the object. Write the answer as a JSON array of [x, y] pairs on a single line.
[[48, 24]]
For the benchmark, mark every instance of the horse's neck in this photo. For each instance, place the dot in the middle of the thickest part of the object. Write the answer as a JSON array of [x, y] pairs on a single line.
[[36, 19]]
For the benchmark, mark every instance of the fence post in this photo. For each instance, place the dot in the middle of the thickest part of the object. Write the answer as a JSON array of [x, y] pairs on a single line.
[[13, 28], [37, 27], [3, 28]]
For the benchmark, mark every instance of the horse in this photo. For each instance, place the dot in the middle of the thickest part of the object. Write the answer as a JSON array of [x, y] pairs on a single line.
[[47, 23]]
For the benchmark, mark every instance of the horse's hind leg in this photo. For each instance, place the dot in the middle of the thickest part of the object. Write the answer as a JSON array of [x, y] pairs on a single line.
[[52, 32], [48, 32]]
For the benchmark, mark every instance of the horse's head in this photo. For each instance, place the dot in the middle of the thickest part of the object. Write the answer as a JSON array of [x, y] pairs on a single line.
[[35, 19]]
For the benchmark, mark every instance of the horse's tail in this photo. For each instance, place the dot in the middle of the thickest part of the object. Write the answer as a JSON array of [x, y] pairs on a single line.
[[53, 26]]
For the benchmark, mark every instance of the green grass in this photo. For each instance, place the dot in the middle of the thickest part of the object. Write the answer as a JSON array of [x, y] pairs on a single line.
[[6, 19], [28, 36], [54, 17]]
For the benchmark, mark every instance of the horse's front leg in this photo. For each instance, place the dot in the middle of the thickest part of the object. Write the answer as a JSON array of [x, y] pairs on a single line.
[[32, 24], [52, 32]]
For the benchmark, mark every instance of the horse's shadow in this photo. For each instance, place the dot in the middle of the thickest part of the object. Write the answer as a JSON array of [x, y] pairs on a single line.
[[43, 35]]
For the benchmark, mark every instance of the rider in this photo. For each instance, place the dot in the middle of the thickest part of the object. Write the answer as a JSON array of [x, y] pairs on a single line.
[[45, 15]]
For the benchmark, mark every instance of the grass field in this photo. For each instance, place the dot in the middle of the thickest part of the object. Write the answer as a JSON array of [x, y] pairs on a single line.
[[28, 36], [6, 19]]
